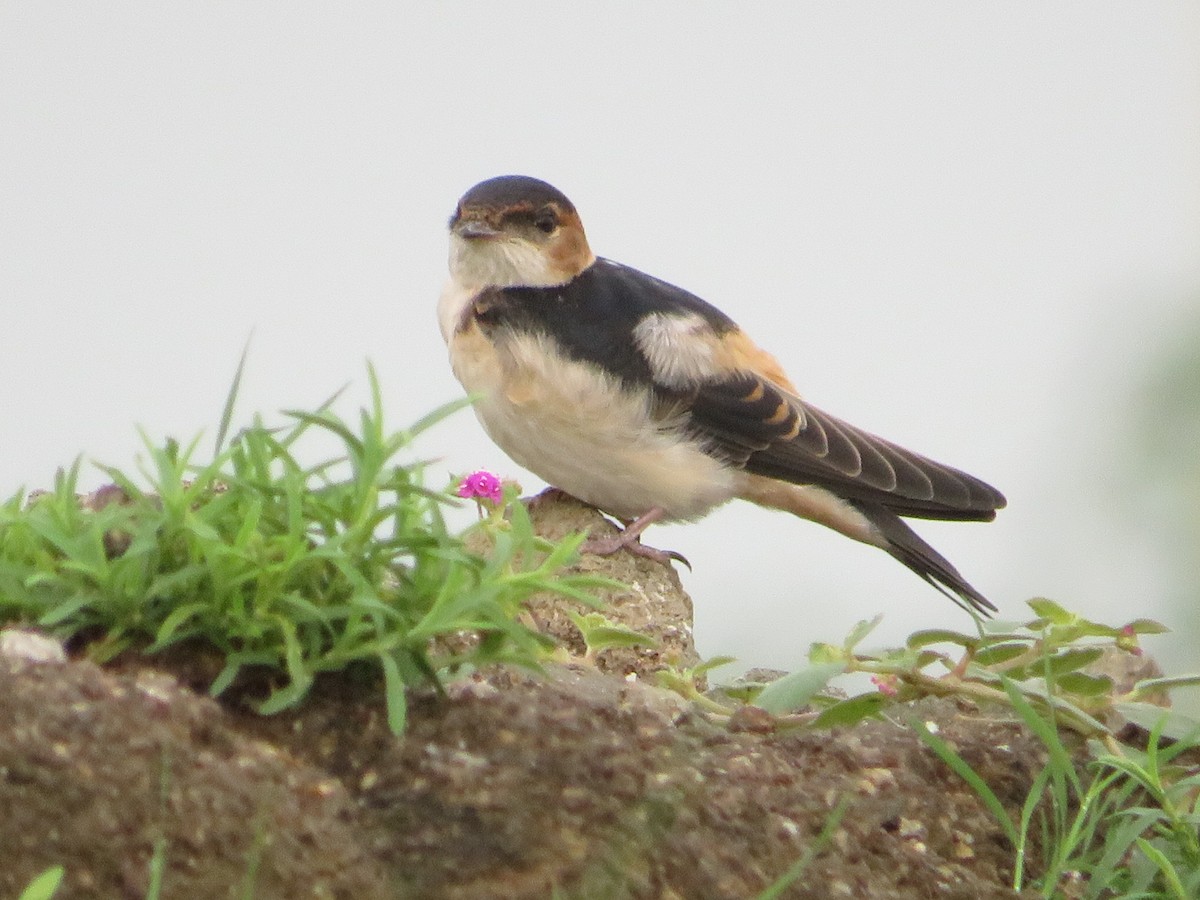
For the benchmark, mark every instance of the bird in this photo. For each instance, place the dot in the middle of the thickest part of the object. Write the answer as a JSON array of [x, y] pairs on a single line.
[[641, 399]]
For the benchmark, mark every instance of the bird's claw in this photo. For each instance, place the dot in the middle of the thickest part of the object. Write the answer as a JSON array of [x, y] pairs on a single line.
[[677, 556], [610, 545]]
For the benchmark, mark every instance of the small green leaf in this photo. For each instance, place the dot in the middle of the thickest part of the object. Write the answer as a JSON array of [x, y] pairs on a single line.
[[1148, 716], [66, 609], [397, 702], [993, 654], [1165, 867], [860, 631], [977, 672], [288, 695], [45, 885], [742, 691], [919, 639], [176, 618], [1051, 611], [1147, 626], [1003, 629], [225, 677], [605, 637], [792, 692], [1070, 660], [600, 633], [233, 665], [231, 396], [824, 654], [1149, 685], [851, 711], [1085, 685], [442, 412], [714, 663], [928, 657], [905, 660]]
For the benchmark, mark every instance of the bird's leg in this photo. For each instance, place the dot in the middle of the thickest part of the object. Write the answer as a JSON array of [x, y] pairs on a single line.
[[630, 538]]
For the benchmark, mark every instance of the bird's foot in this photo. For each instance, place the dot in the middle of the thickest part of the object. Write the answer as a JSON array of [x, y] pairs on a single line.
[[630, 538], [607, 546]]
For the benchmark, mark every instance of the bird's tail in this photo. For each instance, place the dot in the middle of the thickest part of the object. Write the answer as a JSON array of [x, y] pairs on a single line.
[[909, 548]]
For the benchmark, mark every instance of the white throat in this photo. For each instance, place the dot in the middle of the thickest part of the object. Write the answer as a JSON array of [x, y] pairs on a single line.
[[500, 262]]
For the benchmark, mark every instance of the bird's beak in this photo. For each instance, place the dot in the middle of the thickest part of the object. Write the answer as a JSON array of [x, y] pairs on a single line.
[[472, 229]]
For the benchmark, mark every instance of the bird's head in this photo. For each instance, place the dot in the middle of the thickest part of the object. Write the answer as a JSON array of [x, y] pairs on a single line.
[[516, 231]]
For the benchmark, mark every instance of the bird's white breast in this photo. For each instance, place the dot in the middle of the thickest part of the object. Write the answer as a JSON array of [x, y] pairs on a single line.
[[577, 427]]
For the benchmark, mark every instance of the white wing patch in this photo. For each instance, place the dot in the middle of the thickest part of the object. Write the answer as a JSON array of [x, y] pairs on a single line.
[[680, 348]]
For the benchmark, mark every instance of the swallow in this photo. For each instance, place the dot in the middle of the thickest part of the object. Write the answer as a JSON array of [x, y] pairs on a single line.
[[641, 399]]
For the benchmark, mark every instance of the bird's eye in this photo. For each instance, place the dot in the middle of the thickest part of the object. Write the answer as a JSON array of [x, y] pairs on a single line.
[[546, 221]]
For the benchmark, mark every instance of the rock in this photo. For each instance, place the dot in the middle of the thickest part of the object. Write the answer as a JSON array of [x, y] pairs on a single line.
[[98, 769], [584, 783], [30, 646], [653, 601]]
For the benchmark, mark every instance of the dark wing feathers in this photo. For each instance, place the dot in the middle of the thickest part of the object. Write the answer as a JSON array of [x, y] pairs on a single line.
[[743, 416], [757, 425], [909, 548]]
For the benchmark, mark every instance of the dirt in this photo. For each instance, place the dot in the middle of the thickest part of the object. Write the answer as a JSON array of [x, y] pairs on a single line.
[[586, 783]]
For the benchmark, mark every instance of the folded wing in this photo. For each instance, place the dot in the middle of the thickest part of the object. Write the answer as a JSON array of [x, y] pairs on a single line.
[[767, 430]]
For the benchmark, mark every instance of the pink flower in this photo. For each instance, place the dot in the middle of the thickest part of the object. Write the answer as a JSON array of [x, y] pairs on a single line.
[[481, 485], [888, 684]]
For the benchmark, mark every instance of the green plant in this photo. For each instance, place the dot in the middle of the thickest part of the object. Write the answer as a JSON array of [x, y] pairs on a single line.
[[600, 633], [286, 567], [687, 683], [1122, 823], [1164, 826], [45, 885], [1044, 660], [811, 852]]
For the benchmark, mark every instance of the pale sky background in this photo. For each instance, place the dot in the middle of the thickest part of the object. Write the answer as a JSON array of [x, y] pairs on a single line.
[[971, 228]]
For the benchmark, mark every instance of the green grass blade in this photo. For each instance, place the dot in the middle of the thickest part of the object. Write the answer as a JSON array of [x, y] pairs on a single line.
[[231, 397], [1170, 877], [947, 755], [397, 702], [1060, 758], [811, 852], [45, 885]]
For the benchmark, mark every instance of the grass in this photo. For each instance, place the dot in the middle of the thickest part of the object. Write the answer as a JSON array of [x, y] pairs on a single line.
[[1122, 825], [291, 568], [288, 568], [796, 871], [1103, 818], [1046, 658], [45, 885]]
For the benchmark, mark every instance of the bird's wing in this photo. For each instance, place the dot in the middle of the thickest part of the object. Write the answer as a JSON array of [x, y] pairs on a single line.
[[735, 398], [759, 424]]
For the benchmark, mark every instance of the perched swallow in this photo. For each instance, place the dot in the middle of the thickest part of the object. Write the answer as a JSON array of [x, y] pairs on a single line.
[[643, 400]]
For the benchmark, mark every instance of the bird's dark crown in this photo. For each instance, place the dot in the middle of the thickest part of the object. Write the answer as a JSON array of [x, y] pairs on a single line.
[[513, 192]]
